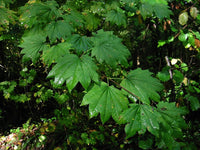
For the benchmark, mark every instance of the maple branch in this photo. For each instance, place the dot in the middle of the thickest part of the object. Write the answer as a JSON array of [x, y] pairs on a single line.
[[124, 89]]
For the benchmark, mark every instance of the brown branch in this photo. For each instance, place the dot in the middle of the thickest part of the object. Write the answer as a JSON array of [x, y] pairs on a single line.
[[186, 24], [125, 89], [180, 32], [190, 6]]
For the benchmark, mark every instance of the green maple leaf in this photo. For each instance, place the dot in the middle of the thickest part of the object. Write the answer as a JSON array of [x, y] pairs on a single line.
[[170, 115], [73, 69], [75, 18], [40, 12], [55, 52], [108, 48], [116, 17], [106, 100], [33, 45], [158, 7], [162, 11], [146, 10], [171, 122], [139, 118], [92, 22], [58, 29], [80, 43], [143, 85]]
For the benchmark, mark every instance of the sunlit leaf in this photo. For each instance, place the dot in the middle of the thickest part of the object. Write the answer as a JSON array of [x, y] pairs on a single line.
[[161, 43], [197, 34], [194, 12], [183, 37], [184, 66], [183, 18]]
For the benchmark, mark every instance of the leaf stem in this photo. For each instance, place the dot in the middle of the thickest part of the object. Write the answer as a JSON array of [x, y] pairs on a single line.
[[124, 89]]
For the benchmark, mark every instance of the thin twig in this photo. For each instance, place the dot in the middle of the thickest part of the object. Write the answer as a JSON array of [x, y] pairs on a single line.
[[125, 89], [180, 32], [186, 24]]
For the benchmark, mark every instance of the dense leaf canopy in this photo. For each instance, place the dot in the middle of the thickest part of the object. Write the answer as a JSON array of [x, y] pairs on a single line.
[[117, 74]]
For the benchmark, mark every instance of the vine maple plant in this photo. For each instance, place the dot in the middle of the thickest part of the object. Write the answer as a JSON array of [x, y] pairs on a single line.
[[83, 42]]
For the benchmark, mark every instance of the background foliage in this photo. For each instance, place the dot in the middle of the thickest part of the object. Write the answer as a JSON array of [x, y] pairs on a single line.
[[99, 74]]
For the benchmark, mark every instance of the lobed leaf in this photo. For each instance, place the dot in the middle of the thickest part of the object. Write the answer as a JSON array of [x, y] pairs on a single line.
[[162, 11], [80, 43], [72, 69], [106, 100], [55, 52], [75, 18], [33, 45], [171, 122], [92, 22], [139, 118], [159, 8], [143, 85], [108, 48], [116, 17], [58, 29], [170, 114], [39, 12]]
